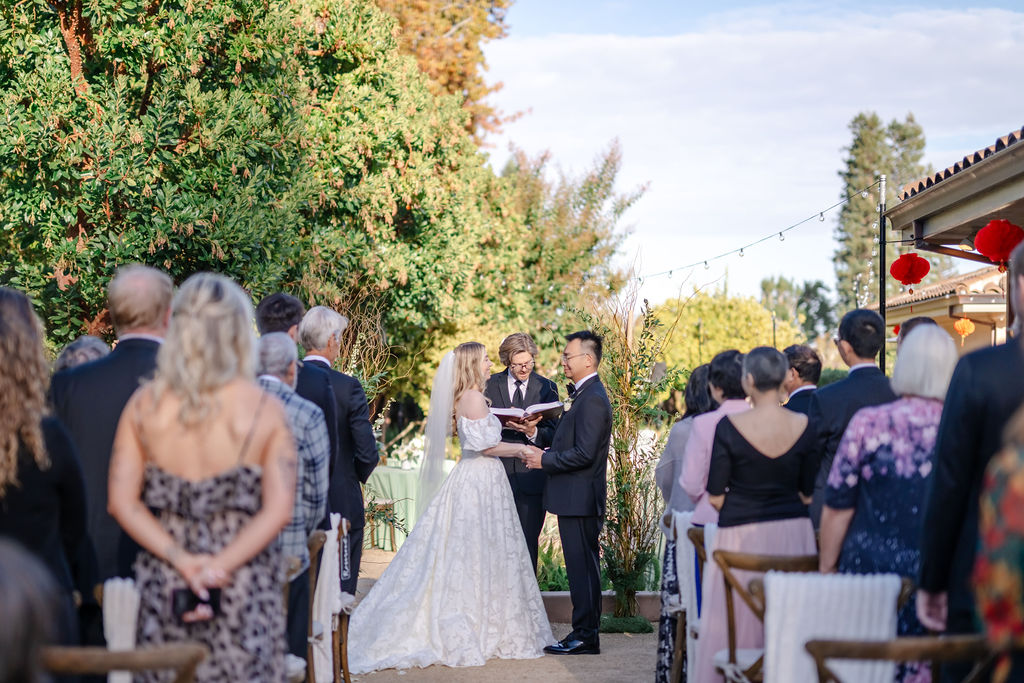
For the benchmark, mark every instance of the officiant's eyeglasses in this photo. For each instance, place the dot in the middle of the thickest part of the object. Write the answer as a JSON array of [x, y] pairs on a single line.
[[523, 366]]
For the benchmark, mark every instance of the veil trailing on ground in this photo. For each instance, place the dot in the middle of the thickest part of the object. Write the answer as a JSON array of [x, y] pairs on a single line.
[[438, 429]]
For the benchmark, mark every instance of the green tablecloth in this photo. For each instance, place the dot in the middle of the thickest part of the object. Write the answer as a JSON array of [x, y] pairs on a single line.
[[400, 486]]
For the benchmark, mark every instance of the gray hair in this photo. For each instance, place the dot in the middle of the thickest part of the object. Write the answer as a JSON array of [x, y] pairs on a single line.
[[84, 349], [924, 363], [766, 366], [276, 354], [319, 325]]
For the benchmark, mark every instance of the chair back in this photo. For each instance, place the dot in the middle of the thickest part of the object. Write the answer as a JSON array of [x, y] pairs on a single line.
[[183, 658], [731, 562], [935, 649], [803, 607]]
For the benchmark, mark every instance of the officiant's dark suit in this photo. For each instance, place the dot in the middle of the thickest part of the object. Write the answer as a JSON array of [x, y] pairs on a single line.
[[985, 391], [527, 485], [355, 461], [576, 491], [861, 336]]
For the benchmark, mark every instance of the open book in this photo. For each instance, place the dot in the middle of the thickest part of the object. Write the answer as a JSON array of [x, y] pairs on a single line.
[[547, 411]]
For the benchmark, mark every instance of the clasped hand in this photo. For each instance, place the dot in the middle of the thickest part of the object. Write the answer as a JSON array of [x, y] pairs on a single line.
[[200, 574], [531, 457]]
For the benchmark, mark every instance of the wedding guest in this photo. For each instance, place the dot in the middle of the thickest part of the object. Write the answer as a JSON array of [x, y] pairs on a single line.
[[320, 334], [861, 337], [910, 325], [89, 400], [872, 521], [999, 567], [84, 349], [282, 312], [763, 467], [203, 478], [698, 401], [27, 593], [802, 378], [277, 368], [42, 495], [518, 386], [725, 382], [984, 393]]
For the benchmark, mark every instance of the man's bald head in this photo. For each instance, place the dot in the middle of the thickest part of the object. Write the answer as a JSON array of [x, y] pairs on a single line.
[[139, 298]]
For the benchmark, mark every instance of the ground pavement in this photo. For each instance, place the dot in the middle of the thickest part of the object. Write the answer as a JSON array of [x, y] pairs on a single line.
[[624, 657]]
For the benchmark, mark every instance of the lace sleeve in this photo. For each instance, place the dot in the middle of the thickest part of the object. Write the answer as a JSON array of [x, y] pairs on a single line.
[[479, 435]]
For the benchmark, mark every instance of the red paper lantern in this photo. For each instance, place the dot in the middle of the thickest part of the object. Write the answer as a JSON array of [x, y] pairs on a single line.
[[996, 240], [896, 330], [910, 269]]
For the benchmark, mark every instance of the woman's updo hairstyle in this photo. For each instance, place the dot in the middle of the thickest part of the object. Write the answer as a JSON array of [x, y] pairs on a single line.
[[766, 366]]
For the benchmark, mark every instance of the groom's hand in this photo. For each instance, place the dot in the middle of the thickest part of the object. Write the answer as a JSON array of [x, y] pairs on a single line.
[[531, 457]]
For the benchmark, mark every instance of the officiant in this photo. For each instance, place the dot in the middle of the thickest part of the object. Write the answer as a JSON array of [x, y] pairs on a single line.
[[518, 386]]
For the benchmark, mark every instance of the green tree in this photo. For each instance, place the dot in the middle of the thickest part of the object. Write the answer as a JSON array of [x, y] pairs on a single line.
[[895, 149], [713, 321], [807, 304]]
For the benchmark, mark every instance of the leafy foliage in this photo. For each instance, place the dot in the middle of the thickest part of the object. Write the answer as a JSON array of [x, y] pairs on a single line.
[[807, 304]]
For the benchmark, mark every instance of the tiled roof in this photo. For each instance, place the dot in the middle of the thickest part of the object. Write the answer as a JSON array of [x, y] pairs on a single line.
[[911, 189], [958, 284]]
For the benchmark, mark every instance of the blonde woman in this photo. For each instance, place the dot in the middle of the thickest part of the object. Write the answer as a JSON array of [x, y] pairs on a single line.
[[42, 495], [202, 477], [462, 589]]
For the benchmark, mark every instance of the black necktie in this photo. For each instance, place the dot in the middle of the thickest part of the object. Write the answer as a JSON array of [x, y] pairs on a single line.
[[571, 388], [518, 400]]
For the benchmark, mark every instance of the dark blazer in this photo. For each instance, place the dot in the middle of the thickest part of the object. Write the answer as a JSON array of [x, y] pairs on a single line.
[[46, 512], [314, 384], [88, 400], [357, 447], [800, 402], [538, 390], [831, 408], [577, 461], [986, 390]]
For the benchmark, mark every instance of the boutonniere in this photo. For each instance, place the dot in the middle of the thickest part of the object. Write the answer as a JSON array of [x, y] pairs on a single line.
[[566, 405]]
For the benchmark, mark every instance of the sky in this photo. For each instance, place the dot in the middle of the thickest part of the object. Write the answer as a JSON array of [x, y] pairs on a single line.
[[735, 114]]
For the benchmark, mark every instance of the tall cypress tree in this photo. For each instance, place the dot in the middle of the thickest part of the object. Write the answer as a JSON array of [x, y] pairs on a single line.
[[895, 149]]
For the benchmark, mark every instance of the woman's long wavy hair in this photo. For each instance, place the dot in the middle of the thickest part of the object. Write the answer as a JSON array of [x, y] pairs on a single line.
[[210, 342], [467, 372], [24, 376]]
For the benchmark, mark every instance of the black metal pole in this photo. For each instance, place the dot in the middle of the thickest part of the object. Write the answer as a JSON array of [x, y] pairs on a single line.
[[881, 266]]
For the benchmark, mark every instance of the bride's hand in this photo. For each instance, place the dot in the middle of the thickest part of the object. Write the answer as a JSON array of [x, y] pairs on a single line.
[[532, 457]]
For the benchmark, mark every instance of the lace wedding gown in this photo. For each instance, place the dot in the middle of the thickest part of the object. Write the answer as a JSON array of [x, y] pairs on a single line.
[[461, 589]]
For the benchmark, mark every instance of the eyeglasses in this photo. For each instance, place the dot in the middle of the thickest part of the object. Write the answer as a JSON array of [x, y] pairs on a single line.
[[566, 359], [523, 366]]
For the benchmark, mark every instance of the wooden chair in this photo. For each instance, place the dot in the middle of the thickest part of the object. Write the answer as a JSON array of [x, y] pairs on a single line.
[[679, 646], [696, 536], [183, 658], [752, 664], [315, 544], [936, 649], [340, 630]]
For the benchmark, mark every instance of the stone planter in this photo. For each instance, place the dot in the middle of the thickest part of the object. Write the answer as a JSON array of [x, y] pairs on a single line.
[[559, 606]]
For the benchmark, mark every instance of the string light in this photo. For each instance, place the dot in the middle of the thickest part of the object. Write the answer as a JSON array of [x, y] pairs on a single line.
[[775, 233]]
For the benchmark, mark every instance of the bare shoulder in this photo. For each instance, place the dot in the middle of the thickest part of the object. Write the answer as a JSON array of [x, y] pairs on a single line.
[[473, 405]]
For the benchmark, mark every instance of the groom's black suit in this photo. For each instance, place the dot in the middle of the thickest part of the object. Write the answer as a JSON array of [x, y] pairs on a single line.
[[576, 491], [527, 485]]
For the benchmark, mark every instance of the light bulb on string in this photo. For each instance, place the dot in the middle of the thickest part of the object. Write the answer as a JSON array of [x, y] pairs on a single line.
[[706, 266], [864, 194], [670, 274], [821, 216], [782, 238], [741, 252]]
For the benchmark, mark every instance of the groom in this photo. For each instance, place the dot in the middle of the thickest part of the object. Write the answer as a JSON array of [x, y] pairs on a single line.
[[576, 464]]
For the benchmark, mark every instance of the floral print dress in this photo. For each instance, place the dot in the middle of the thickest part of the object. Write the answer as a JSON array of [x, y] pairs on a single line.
[[881, 470]]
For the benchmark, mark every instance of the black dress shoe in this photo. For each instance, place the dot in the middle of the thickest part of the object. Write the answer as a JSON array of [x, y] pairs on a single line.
[[571, 646]]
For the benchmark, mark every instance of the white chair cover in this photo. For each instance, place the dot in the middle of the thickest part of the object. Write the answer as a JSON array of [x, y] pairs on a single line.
[[120, 618], [801, 607], [326, 604]]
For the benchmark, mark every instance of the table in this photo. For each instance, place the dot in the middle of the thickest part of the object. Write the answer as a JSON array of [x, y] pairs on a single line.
[[400, 486]]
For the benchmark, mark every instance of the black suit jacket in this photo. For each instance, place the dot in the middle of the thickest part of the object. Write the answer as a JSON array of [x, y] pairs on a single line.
[[538, 390], [314, 384], [831, 408], [800, 402], [88, 400], [577, 462], [986, 390], [357, 447]]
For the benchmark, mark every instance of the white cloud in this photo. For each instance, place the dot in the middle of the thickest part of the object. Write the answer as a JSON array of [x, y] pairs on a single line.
[[739, 126]]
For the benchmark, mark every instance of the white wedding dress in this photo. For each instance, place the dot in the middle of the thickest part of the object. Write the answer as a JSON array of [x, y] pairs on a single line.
[[461, 589]]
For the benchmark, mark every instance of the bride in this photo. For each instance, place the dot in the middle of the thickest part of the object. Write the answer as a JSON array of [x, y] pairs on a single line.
[[461, 589]]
